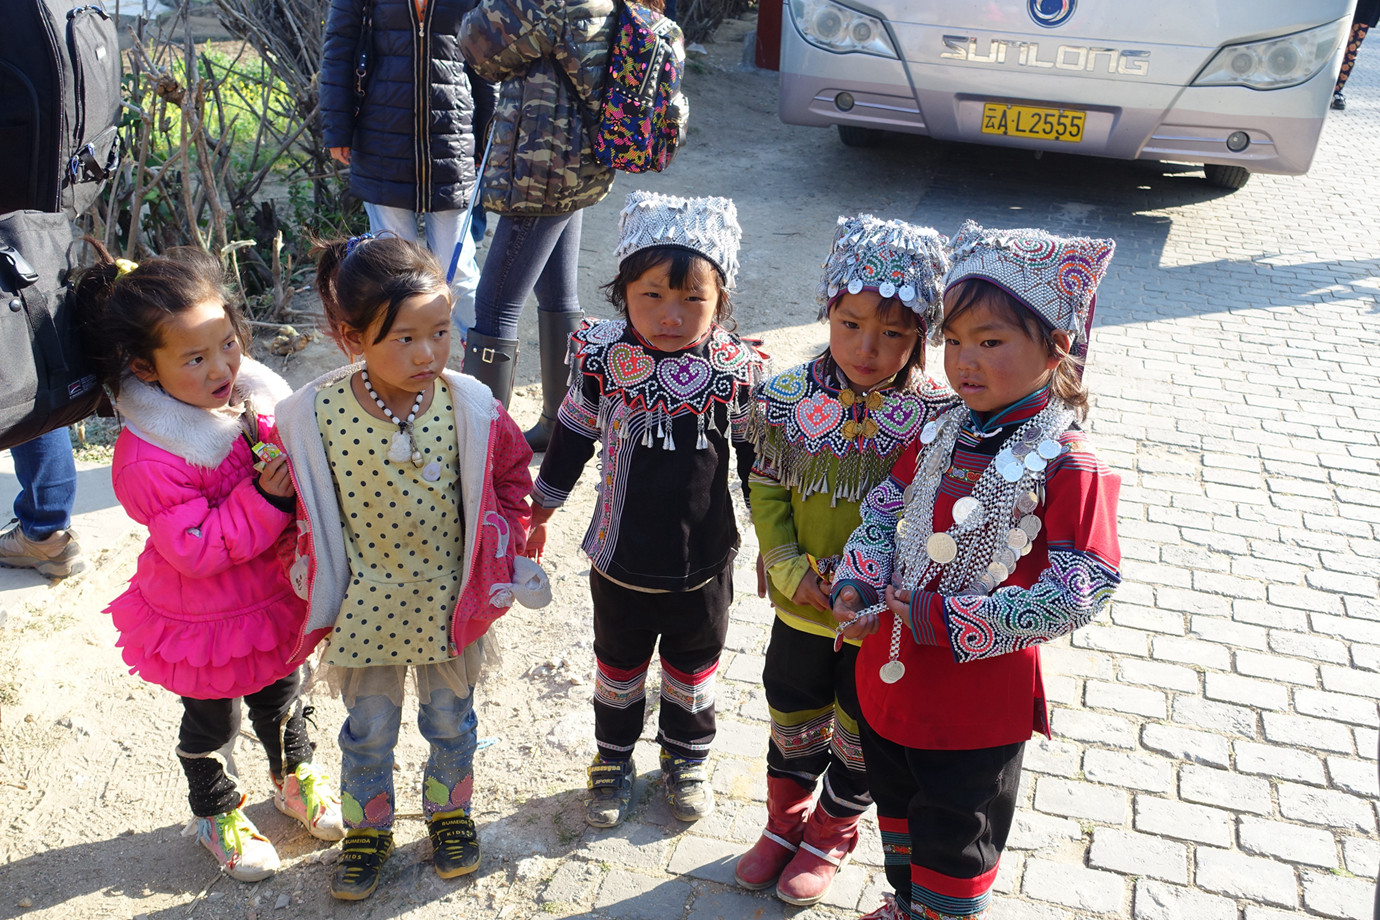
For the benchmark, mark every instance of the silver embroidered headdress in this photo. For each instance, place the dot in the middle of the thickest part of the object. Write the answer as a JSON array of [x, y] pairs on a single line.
[[1055, 277], [705, 226], [891, 257]]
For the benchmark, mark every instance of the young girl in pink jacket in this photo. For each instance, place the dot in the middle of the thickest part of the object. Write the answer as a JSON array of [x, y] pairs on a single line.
[[413, 485], [210, 613]]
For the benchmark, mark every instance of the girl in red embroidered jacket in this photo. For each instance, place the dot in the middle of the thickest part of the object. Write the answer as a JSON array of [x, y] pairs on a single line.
[[995, 533]]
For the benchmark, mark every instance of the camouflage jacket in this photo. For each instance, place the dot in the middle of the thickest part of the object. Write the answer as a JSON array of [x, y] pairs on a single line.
[[551, 56]]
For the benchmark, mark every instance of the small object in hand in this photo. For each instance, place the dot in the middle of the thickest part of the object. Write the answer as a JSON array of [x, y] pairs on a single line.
[[265, 453], [825, 569]]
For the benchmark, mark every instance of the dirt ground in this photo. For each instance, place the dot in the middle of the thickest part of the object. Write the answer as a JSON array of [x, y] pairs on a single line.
[[91, 798]]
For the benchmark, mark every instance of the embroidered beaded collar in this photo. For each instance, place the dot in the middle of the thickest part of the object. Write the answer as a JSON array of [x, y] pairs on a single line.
[[811, 429], [664, 385]]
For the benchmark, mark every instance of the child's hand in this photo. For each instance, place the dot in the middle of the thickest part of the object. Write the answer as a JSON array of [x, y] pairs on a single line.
[[852, 625], [276, 478], [810, 593], [898, 601], [536, 542], [761, 576], [536, 534]]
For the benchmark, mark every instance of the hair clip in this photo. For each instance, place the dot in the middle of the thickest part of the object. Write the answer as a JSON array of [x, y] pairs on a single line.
[[124, 267], [353, 242]]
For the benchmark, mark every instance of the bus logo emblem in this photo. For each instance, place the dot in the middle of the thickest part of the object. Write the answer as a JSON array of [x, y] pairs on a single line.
[[1050, 13]]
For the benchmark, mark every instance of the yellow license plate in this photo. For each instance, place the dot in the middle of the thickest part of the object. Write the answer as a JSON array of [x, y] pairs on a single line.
[[1030, 121]]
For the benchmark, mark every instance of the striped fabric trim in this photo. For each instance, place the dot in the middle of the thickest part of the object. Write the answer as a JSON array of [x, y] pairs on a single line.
[[778, 554], [691, 692], [956, 898], [618, 688], [847, 747], [802, 733]]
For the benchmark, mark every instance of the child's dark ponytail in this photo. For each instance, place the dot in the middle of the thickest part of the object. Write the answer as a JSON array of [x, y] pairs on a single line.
[[364, 280], [121, 306]]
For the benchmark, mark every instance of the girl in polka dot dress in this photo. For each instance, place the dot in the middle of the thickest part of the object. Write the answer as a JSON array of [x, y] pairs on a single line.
[[413, 488]]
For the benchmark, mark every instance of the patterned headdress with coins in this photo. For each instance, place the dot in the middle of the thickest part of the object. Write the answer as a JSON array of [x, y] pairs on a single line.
[[891, 257], [1054, 277], [704, 226]]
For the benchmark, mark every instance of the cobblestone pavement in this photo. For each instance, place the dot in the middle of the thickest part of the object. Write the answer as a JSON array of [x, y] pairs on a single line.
[[1216, 734]]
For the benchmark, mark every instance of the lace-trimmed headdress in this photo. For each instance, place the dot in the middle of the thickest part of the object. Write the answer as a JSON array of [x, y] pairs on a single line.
[[704, 226], [1054, 277], [891, 257]]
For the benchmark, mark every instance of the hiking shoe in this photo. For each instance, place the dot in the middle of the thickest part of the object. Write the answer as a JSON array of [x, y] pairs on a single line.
[[55, 556], [610, 792], [454, 843], [362, 855], [307, 795], [687, 787], [243, 852]]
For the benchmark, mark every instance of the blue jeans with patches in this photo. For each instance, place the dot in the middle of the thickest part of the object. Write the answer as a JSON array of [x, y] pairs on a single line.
[[367, 740], [528, 255]]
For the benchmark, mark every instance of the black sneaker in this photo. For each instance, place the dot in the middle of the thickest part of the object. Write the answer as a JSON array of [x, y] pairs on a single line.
[[610, 792], [362, 854], [454, 843], [1338, 101], [687, 787]]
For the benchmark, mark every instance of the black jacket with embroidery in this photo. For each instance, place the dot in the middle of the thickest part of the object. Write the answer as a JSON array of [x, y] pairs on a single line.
[[664, 518]]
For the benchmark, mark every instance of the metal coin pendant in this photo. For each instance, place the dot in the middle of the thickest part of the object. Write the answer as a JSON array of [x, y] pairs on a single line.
[[1049, 449], [1007, 558], [1027, 502], [998, 572], [1016, 538], [907, 293], [891, 672], [1031, 525], [964, 508], [887, 290], [1035, 463], [941, 548], [929, 432], [1013, 471]]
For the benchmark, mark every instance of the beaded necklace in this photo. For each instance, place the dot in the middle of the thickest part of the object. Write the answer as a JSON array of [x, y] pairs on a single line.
[[402, 448], [993, 525]]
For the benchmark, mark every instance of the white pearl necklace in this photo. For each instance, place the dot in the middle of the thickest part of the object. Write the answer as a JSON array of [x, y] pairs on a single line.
[[403, 446], [994, 524]]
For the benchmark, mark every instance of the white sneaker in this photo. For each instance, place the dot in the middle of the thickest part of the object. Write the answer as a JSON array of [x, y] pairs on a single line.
[[243, 852]]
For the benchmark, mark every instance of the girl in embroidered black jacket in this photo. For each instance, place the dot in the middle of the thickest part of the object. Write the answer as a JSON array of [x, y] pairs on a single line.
[[664, 390]]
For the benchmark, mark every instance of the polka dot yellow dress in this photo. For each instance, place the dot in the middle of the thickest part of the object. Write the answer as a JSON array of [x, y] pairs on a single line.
[[405, 539]]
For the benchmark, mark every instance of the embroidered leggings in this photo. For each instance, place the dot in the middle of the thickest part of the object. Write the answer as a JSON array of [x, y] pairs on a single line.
[[814, 717], [691, 626], [944, 817]]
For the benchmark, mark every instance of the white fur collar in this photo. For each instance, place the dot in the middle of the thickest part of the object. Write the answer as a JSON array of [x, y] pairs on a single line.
[[199, 436]]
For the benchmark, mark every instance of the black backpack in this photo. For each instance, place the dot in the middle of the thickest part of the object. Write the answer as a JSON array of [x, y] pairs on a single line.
[[45, 382], [59, 101]]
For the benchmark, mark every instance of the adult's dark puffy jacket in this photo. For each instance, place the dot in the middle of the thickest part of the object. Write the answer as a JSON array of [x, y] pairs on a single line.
[[552, 57], [411, 145]]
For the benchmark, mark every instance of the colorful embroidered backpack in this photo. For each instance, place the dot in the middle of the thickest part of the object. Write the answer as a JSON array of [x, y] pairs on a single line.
[[643, 117]]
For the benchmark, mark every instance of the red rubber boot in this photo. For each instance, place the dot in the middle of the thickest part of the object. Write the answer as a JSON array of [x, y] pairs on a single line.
[[825, 848], [787, 804]]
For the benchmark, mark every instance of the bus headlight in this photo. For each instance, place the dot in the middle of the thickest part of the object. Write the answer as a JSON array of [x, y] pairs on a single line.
[[835, 27], [1276, 62]]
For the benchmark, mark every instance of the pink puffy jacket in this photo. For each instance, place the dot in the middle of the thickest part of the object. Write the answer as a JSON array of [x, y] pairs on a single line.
[[209, 613], [495, 482]]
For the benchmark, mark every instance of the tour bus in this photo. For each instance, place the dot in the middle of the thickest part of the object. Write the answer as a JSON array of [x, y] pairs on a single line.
[[1240, 86]]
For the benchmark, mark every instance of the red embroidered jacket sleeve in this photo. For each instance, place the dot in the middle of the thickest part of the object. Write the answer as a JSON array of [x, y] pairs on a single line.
[[1084, 570]]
